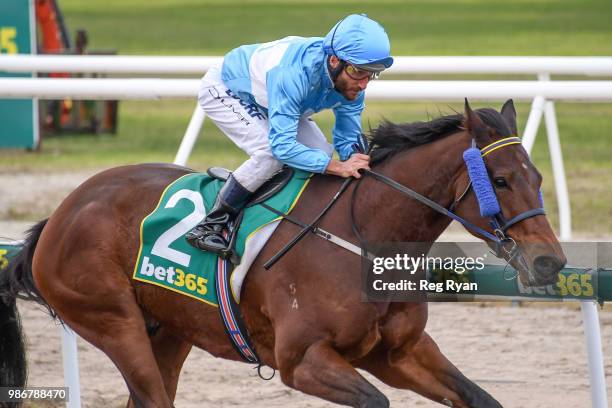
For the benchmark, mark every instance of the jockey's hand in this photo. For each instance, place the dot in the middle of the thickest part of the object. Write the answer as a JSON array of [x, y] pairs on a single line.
[[349, 167]]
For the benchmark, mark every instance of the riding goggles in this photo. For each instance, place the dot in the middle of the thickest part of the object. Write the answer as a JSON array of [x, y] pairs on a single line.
[[358, 74]]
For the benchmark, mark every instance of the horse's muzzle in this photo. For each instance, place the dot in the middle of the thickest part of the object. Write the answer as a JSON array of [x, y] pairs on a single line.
[[546, 268]]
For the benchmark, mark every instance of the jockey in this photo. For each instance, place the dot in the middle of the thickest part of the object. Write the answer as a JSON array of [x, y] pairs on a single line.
[[262, 97]]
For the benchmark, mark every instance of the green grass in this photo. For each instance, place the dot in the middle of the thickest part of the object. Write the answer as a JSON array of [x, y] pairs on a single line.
[[152, 130], [425, 27]]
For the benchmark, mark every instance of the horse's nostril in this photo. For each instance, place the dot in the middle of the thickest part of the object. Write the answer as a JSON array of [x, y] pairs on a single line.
[[547, 265]]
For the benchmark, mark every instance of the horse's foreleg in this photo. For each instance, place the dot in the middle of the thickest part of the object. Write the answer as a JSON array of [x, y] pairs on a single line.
[[422, 368], [322, 372]]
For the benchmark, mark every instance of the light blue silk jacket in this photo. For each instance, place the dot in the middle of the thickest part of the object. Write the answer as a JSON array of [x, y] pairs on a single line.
[[289, 80]]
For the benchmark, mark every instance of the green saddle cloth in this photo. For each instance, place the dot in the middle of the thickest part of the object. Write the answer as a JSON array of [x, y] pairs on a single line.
[[166, 259]]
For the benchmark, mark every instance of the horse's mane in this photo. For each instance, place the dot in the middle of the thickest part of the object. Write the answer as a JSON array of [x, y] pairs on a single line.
[[390, 138]]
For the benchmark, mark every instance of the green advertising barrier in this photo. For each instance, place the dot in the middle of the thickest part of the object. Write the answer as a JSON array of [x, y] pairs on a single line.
[[19, 117], [573, 284]]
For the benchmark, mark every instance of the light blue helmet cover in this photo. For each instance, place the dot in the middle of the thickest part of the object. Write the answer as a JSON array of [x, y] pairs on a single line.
[[361, 41]]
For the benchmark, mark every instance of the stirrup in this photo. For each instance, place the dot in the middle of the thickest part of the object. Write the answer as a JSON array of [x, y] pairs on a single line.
[[227, 253]]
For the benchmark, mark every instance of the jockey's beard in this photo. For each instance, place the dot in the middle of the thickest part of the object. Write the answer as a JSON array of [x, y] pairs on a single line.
[[347, 87]]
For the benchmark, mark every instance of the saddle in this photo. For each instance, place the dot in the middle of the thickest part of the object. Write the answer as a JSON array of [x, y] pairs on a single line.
[[267, 190]]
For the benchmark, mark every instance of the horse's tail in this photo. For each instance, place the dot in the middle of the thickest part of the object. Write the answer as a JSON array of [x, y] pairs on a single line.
[[17, 282], [13, 367]]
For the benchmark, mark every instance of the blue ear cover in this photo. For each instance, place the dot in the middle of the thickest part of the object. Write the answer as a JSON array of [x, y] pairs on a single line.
[[480, 182], [541, 198]]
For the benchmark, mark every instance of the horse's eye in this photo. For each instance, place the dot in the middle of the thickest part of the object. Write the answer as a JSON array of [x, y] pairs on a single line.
[[500, 182]]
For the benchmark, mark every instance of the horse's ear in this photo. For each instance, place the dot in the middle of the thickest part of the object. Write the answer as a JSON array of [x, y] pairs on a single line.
[[509, 114], [473, 124]]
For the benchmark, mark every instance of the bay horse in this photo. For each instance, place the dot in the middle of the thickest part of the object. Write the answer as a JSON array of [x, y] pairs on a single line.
[[304, 315]]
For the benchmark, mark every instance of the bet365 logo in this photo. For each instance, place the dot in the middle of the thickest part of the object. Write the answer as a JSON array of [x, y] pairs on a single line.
[[176, 277], [570, 285]]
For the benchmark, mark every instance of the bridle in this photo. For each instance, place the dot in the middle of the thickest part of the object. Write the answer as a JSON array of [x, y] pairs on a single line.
[[498, 221], [505, 246]]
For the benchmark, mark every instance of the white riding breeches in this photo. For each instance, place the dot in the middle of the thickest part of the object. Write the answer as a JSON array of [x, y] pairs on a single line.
[[247, 126]]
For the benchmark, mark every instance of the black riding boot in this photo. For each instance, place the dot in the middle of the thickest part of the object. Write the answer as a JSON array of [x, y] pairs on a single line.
[[208, 235]]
